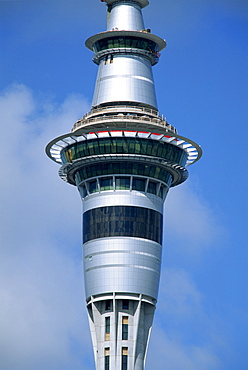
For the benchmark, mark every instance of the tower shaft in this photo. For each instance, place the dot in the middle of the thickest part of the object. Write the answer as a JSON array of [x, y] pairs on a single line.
[[123, 157]]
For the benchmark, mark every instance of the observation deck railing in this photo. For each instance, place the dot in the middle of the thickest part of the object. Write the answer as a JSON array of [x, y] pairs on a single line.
[[123, 108], [123, 118], [123, 113]]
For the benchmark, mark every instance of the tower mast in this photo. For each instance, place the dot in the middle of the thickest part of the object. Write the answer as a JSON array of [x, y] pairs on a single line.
[[123, 156]]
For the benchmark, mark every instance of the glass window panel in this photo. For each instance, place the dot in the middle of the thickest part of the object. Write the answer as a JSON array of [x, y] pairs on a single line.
[[125, 328], [161, 191], [143, 149], [96, 147], [157, 172], [110, 44], [129, 168], [139, 184], [122, 183], [114, 146], [93, 186], [152, 187], [152, 171], [102, 147], [146, 170], [106, 358], [121, 42], [131, 146], [91, 148], [135, 168], [124, 358], [93, 171], [124, 145], [120, 146], [149, 148], [141, 168], [107, 145], [108, 303], [107, 324], [154, 150], [137, 147], [125, 304], [106, 183], [128, 221], [83, 190]]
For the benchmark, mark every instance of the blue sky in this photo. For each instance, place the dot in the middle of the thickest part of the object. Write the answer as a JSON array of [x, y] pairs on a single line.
[[46, 84]]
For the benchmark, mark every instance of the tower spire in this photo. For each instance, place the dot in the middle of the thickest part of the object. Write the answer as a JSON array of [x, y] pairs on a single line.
[[125, 54], [123, 157]]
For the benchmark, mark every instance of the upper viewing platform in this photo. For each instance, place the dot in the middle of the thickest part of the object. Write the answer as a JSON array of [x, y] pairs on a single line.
[[124, 116], [127, 36]]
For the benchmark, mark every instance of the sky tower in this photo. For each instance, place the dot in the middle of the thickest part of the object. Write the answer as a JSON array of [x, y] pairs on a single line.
[[123, 156]]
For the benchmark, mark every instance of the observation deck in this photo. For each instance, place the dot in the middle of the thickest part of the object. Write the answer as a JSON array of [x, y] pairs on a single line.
[[123, 116]]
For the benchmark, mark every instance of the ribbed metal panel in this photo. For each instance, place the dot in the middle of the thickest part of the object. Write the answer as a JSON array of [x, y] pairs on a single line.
[[125, 16], [122, 264], [126, 78]]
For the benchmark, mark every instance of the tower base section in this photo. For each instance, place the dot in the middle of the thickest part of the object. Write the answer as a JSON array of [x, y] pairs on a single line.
[[120, 327]]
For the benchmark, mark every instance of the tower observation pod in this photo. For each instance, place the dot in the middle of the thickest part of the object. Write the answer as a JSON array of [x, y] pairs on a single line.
[[123, 157]]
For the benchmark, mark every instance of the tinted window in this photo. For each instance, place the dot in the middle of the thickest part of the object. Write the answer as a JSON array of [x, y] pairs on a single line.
[[129, 168], [125, 42], [124, 145], [122, 221]]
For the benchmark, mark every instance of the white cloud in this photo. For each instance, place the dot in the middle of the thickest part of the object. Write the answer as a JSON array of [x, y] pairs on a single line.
[[178, 294], [170, 353], [183, 336], [42, 314], [191, 221]]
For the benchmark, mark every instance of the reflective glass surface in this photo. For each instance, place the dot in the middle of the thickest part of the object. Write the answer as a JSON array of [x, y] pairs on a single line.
[[106, 183], [130, 168], [152, 187], [125, 42], [127, 221], [122, 183], [139, 184], [124, 145], [93, 186]]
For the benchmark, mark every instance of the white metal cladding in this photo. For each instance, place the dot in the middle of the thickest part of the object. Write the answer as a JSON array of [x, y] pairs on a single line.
[[125, 16], [125, 78], [122, 264], [123, 198]]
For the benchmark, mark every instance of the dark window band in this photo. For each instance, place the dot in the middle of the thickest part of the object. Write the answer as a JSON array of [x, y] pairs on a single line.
[[123, 168], [127, 221], [124, 145], [125, 42]]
